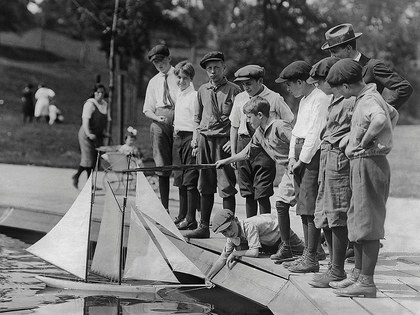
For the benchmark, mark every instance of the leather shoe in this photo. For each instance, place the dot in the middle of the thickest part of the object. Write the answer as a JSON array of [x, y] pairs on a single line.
[[202, 231], [177, 220], [185, 225]]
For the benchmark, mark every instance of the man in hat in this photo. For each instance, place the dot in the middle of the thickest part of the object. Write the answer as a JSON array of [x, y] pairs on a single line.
[[256, 176], [341, 42], [211, 139], [369, 141], [159, 105], [247, 237], [304, 156]]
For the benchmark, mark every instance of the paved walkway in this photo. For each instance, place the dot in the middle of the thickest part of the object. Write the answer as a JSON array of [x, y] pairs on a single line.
[[49, 191]]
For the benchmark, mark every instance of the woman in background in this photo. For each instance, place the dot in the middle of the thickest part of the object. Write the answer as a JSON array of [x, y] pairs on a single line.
[[92, 131]]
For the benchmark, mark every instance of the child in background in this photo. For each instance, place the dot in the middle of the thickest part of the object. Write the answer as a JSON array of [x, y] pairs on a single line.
[[368, 143], [128, 148], [183, 150]]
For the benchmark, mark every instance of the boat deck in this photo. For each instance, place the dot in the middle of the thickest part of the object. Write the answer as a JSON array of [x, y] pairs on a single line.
[[48, 194]]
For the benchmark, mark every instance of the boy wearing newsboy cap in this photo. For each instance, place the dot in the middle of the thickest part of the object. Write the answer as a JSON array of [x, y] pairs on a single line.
[[304, 156], [246, 237], [159, 104], [369, 141], [211, 139], [341, 42], [256, 176], [334, 191]]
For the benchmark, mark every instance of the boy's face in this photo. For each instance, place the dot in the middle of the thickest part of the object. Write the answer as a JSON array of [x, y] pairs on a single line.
[[254, 120], [252, 86], [162, 64], [183, 80], [215, 70], [232, 231], [345, 90], [324, 87], [295, 88]]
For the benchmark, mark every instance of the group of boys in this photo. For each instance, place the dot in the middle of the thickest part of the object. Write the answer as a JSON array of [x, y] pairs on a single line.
[[336, 173]]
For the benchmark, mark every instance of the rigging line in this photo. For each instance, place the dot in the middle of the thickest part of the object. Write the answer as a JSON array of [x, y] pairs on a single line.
[[115, 196]]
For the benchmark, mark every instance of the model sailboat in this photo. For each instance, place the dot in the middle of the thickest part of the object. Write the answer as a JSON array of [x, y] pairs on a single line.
[[151, 257]]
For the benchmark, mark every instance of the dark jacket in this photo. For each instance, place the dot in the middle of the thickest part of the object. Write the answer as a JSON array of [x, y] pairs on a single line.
[[375, 71]]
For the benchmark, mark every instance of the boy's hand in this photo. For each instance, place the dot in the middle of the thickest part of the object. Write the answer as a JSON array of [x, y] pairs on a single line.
[[220, 163], [194, 152], [230, 261], [296, 166], [292, 162], [226, 147], [160, 118]]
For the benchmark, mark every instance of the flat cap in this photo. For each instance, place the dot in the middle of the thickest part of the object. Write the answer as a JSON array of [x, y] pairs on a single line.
[[345, 71], [321, 68], [211, 56], [296, 70], [249, 72], [221, 220], [159, 51]]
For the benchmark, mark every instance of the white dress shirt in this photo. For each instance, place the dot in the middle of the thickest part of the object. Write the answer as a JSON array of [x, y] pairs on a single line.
[[184, 109], [311, 119], [154, 91]]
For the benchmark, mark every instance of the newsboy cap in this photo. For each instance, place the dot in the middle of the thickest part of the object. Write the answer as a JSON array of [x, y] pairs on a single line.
[[159, 51], [296, 70], [321, 68], [249, 72], [345, 71], [221, 220], [338, 35], [211, 56]]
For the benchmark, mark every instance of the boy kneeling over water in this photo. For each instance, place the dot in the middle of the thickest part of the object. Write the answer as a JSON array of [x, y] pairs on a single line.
[[247, 237]]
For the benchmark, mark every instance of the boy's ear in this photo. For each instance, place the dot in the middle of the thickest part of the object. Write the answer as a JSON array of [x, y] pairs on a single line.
[[260, 115]]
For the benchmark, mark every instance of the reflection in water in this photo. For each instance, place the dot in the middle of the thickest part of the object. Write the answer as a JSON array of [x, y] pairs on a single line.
[[108, 305], [21, 293]]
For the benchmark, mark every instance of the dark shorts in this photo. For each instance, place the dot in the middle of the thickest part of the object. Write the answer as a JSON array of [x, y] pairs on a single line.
[[370, 177], [306, 183], [334, 191], [182, 154], [256, 177], [161, 136], [224, 179]]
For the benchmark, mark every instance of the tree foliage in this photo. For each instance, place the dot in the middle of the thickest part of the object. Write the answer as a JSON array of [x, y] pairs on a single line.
[[14, 16]]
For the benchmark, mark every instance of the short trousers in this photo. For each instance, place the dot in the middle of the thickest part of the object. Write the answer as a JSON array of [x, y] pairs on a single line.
[[306, 183], [370, 178], [182, 155], [256, 177], [334, 193], [210, 150]]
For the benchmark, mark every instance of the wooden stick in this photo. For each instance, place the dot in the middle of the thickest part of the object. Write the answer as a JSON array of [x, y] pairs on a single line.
[[170, 168]]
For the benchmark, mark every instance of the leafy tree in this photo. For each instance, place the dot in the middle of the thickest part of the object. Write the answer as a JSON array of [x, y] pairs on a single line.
[[14, 16]]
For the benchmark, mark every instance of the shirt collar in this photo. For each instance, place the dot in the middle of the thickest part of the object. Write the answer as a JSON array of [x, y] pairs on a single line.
[[215, 87], [357, 57], [187, 90], [170, 72]]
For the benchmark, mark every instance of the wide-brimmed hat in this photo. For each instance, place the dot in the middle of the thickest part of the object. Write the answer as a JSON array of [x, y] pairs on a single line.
[[338, 35]]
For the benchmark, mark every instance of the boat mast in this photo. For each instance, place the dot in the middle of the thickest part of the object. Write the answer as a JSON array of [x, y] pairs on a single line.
[[122, 220], [92, 201]]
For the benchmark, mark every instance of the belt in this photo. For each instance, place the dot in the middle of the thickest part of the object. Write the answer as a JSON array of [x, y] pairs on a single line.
[[244, 136], [300, 140], [329, 146]]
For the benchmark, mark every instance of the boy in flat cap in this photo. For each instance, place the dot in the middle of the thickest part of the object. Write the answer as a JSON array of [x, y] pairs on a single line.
[[341, 42], [246, 237], [211, 138], [256, 176], [304, 156], [159, 105], [334, 191], [369, 141], [271, 137]]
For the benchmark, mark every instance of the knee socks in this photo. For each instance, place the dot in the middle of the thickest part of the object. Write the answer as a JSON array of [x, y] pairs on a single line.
[[206, 205], [312, 233], [192, 201], [328, 238], [250, 206], [265, 205], [284, 220], [339, 246], [229, 203], [164, 190], [370, 252], [183, 202]]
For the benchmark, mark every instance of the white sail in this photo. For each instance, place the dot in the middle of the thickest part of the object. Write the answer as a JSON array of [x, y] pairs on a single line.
[[106, 260], [65, 246], [176, 258], [144, 261], [148, 203]]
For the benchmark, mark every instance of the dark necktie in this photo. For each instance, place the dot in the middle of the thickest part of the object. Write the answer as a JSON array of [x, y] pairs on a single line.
[[166, 95]]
